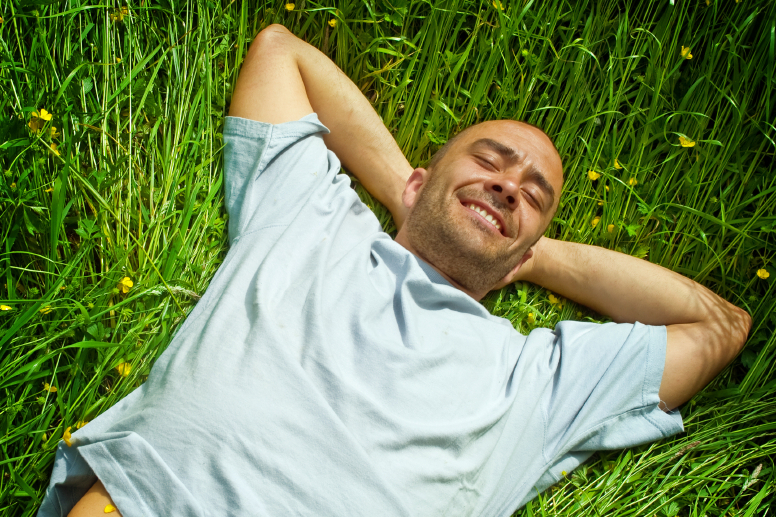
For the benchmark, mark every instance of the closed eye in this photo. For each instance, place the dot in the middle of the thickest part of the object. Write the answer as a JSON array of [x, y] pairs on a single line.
[[533, 199], [486, 162]]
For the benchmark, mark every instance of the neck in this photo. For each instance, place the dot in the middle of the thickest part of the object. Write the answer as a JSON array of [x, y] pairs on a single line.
[[402, 239]]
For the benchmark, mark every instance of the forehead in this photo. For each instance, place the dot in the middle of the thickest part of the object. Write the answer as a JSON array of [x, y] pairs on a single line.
[[530, 144]]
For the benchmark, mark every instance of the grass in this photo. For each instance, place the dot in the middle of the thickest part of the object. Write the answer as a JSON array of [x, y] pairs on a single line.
[[130, 186]]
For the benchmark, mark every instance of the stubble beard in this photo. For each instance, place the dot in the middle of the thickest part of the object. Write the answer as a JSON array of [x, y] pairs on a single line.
[[467, 254]]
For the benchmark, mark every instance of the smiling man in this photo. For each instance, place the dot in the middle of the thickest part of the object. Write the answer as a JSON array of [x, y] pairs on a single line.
[[332, 371], [485, 202]]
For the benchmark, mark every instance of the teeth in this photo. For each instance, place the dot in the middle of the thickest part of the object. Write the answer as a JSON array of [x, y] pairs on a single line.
[[492, 220]]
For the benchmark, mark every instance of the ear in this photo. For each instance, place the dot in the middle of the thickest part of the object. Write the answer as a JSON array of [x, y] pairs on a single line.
[[414, 183], [510, 277]]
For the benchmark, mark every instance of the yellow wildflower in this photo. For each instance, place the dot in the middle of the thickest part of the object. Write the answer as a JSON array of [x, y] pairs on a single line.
[[109, 509], [48, 387], [54, 132], [45, 115], [13, 185], [763, 273], [54, 149], [80, 424], [6, 308], [558, 302], [67, 437], [497, 5], [1, 19], [686, 142], [118, 59], [38, 120], [124, 369], [290, 7], [595, 221], [49, 190], [600, 203], [125, 285], [686, 52], [332, 23], [610, 228], [633, 182], [531, 318], [617, 164], [563, 473], [607, 188], [593, 175], [45, 310], [118, 14]]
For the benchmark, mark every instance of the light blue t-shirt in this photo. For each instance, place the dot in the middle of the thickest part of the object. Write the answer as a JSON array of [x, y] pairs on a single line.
[[327, 371]]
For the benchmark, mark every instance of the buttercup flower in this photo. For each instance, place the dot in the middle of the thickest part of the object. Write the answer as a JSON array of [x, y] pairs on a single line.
[[593, 175], [109, 509], [67, 437], [290, 7], [54, 132], [125, 285], [6, 308], [38, 120], [595, 221], [118, 14], [686, 142], [531, 318], [555, 301], [80, 424], [124, 369], [497, 5], [617, 164], [610, 228], [45, 310], [54, 149], [763, 273], [332, 22], [686, 52], [48, 387], [632, 182]]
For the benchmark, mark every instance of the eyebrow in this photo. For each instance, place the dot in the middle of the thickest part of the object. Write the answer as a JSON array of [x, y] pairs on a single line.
[[511, 155]]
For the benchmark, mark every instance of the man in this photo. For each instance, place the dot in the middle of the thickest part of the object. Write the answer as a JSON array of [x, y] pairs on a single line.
[[330, 370]]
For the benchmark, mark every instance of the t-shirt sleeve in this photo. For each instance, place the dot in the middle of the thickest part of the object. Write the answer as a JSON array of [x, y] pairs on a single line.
[[270, 170], [605, 389]]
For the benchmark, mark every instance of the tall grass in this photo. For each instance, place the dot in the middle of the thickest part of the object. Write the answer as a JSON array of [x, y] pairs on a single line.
[[129, 186]]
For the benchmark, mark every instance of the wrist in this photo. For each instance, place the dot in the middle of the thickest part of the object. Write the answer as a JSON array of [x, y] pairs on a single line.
[[531, 269]]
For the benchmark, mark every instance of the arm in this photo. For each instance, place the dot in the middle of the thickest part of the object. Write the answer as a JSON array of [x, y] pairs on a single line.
[[283, 79], [705, 332]]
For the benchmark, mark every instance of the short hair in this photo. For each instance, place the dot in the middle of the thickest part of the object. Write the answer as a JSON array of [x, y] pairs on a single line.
[[437, 157]]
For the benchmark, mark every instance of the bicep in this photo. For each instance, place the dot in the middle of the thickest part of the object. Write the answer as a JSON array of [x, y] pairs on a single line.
[[269, 87]]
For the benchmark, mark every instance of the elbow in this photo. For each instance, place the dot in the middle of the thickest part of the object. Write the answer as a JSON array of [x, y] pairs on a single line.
[[743, 326]]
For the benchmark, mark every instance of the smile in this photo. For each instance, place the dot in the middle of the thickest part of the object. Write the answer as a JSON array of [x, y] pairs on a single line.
[[490, 218]]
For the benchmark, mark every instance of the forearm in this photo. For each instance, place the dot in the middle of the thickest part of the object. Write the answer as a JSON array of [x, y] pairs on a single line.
[[283, 79], [625, 288], [358, 136]]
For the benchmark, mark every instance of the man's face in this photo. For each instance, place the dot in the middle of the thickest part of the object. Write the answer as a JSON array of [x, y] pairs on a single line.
[[484, 204]]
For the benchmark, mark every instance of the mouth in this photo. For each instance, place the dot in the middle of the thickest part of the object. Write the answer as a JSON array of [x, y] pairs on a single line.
[[487, 214]]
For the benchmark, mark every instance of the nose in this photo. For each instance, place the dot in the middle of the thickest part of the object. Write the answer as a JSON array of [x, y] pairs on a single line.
[[504, 189]]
